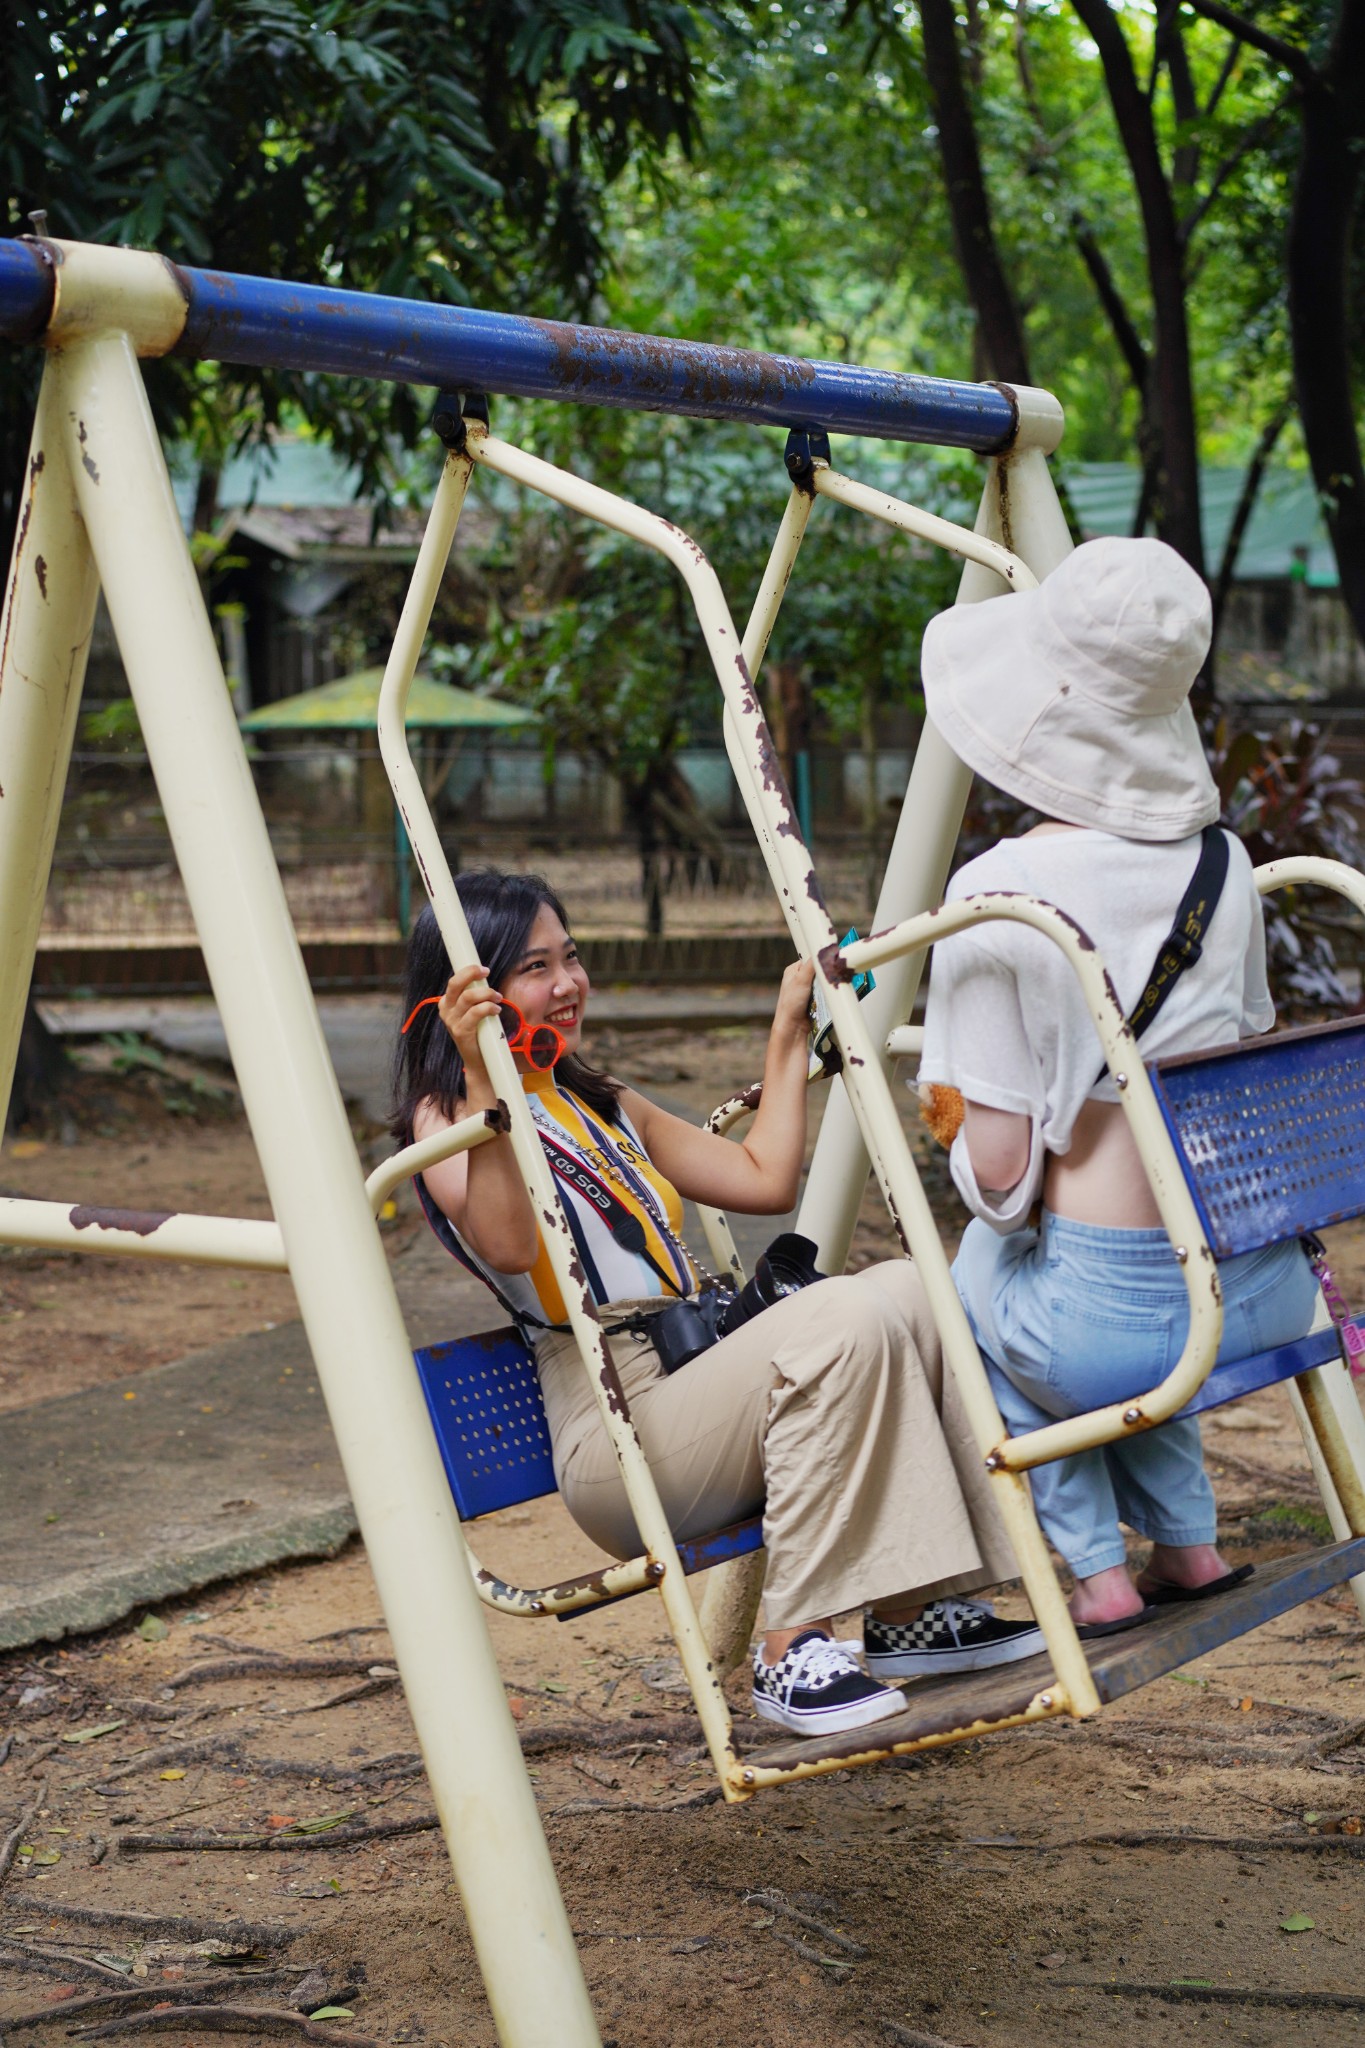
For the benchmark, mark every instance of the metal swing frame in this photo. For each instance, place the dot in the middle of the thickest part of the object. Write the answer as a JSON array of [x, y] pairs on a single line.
[[99, 510]]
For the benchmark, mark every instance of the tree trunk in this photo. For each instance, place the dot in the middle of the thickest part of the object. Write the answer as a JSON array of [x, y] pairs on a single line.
[[1172, 387], [1319, 256], [38, 1070], [1000, 328], [1241, 518]]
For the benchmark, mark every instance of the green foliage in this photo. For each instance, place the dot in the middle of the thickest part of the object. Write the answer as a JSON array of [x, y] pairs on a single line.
[[1284, 792], [416, 147]]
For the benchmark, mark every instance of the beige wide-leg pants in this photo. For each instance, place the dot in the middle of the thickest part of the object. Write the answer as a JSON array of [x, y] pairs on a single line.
[[833, 1413]]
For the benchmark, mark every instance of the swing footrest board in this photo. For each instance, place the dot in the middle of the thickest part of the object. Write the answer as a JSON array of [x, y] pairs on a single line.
[[941, 1708]]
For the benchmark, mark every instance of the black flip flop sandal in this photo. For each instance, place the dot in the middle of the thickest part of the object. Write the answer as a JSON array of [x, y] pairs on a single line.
[[1163, 1594], [1091, 1631]]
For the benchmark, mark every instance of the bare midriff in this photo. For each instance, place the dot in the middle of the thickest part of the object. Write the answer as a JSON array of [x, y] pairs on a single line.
[[1101, 1180]]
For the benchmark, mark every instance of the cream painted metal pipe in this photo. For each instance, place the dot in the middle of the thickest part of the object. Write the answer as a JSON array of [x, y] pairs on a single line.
[[641, 1492], [769, 805], [388, 1451], [1019, 509], [1309, 870], [1170, 1191], [247, 1241], [906, 1042], [1333, 1431], [1325, 1403], [44, 641], [941, 533], [869, 1096], [772, 588]]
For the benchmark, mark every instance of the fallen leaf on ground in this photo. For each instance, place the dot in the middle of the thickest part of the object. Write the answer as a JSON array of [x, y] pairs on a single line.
[[1297, 1923], [153, 1629], [93, 1734], [171, 1777]]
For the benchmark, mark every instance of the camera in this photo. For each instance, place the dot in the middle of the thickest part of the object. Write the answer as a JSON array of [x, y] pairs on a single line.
[[684, 1330]]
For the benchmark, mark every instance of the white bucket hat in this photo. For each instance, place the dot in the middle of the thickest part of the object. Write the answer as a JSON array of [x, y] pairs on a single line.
[[1074, 697]]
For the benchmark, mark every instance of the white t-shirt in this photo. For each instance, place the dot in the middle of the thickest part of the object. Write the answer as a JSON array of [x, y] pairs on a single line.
[[1006, 1021]]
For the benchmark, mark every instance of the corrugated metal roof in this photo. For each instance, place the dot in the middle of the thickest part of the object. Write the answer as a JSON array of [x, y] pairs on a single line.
[[351, 704], [1286, 535]]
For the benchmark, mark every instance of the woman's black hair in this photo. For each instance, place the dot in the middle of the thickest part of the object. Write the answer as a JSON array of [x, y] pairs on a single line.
[[427, 1067]]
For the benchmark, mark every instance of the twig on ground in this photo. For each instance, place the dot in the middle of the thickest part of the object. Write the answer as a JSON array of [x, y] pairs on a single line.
[[913, 2037], [266, 1665], [170, 1753], [360, 1628], [838, 1966], [611, 1735], [279, 1838], [1347, 1845], [379, 1681], [1319, 1746], [9, 1848], [591, 1771], [5, 1747], [1221, 1994], [18, 1955], [776, 1902], [159, 1993], [240, 1935], [706, 1798], [226, 2019], [158, 1710]]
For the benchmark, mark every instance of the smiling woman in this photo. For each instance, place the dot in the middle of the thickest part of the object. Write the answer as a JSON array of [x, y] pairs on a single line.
[[828, 1409]]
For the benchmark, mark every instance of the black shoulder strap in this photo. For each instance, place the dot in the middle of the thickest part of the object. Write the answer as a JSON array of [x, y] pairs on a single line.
[[1184, 942], [444, 1229]]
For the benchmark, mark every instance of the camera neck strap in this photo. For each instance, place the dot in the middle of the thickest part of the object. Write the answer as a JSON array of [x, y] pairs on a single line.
[[1184, 942], [625, 1226]]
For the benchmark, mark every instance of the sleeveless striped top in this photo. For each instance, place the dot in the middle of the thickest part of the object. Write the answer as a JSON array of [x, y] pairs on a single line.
[[611, 1192]]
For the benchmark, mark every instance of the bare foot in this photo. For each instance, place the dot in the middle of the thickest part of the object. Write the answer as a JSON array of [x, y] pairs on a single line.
[[1190, 1565], [1105, 1596]]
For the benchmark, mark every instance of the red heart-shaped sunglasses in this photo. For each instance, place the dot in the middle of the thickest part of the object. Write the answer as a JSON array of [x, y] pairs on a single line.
[[543, 1046]]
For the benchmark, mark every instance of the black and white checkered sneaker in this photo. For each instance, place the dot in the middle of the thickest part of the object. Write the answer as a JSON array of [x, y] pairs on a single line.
[[817, 1687], [950, 1635]]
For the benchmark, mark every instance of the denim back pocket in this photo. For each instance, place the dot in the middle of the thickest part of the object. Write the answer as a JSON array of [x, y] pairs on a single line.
[[1110, 1345]]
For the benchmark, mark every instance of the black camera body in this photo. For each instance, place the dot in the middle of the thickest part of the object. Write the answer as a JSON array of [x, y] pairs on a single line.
[[685, 1329]]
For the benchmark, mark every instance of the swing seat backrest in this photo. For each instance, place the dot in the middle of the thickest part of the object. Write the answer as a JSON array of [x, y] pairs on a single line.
[[486, 1408], [1271, 1136]]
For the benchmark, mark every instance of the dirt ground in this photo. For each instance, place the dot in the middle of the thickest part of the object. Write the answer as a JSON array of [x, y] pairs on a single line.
[[1186, 1867]]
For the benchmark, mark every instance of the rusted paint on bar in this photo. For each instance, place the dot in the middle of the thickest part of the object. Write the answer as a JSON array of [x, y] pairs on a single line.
[[141, 1222]]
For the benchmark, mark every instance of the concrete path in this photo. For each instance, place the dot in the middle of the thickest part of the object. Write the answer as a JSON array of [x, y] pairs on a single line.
[[360, 1029], [222, 1463]]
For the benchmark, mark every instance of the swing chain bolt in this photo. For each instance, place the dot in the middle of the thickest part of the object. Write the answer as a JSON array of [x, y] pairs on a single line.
[[655, 1569], [447, 423], [994, 1461], [537, 1607], [746, 1777], [1120, 1081], [1045, 1699], [1132, 1415], [1181, 1255]]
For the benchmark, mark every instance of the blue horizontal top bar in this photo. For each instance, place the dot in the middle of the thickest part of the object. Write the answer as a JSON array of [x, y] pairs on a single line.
[[273, 325], [27, 287]]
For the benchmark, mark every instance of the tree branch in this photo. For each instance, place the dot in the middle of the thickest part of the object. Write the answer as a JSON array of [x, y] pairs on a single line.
[[1249, 141], [1246, 504], [1294, 61]]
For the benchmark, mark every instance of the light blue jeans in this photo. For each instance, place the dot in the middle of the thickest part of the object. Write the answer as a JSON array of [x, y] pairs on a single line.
[[1077, 1315]]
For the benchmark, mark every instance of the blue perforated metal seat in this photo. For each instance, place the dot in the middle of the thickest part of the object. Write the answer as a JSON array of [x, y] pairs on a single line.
[[1271, 1136], [485, 1403]]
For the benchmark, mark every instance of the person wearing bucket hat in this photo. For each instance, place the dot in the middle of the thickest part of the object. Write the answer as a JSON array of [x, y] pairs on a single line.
[[1074, 698]]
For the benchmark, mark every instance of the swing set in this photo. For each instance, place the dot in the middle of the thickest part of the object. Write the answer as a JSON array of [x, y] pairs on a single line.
[[1244, 1147]]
